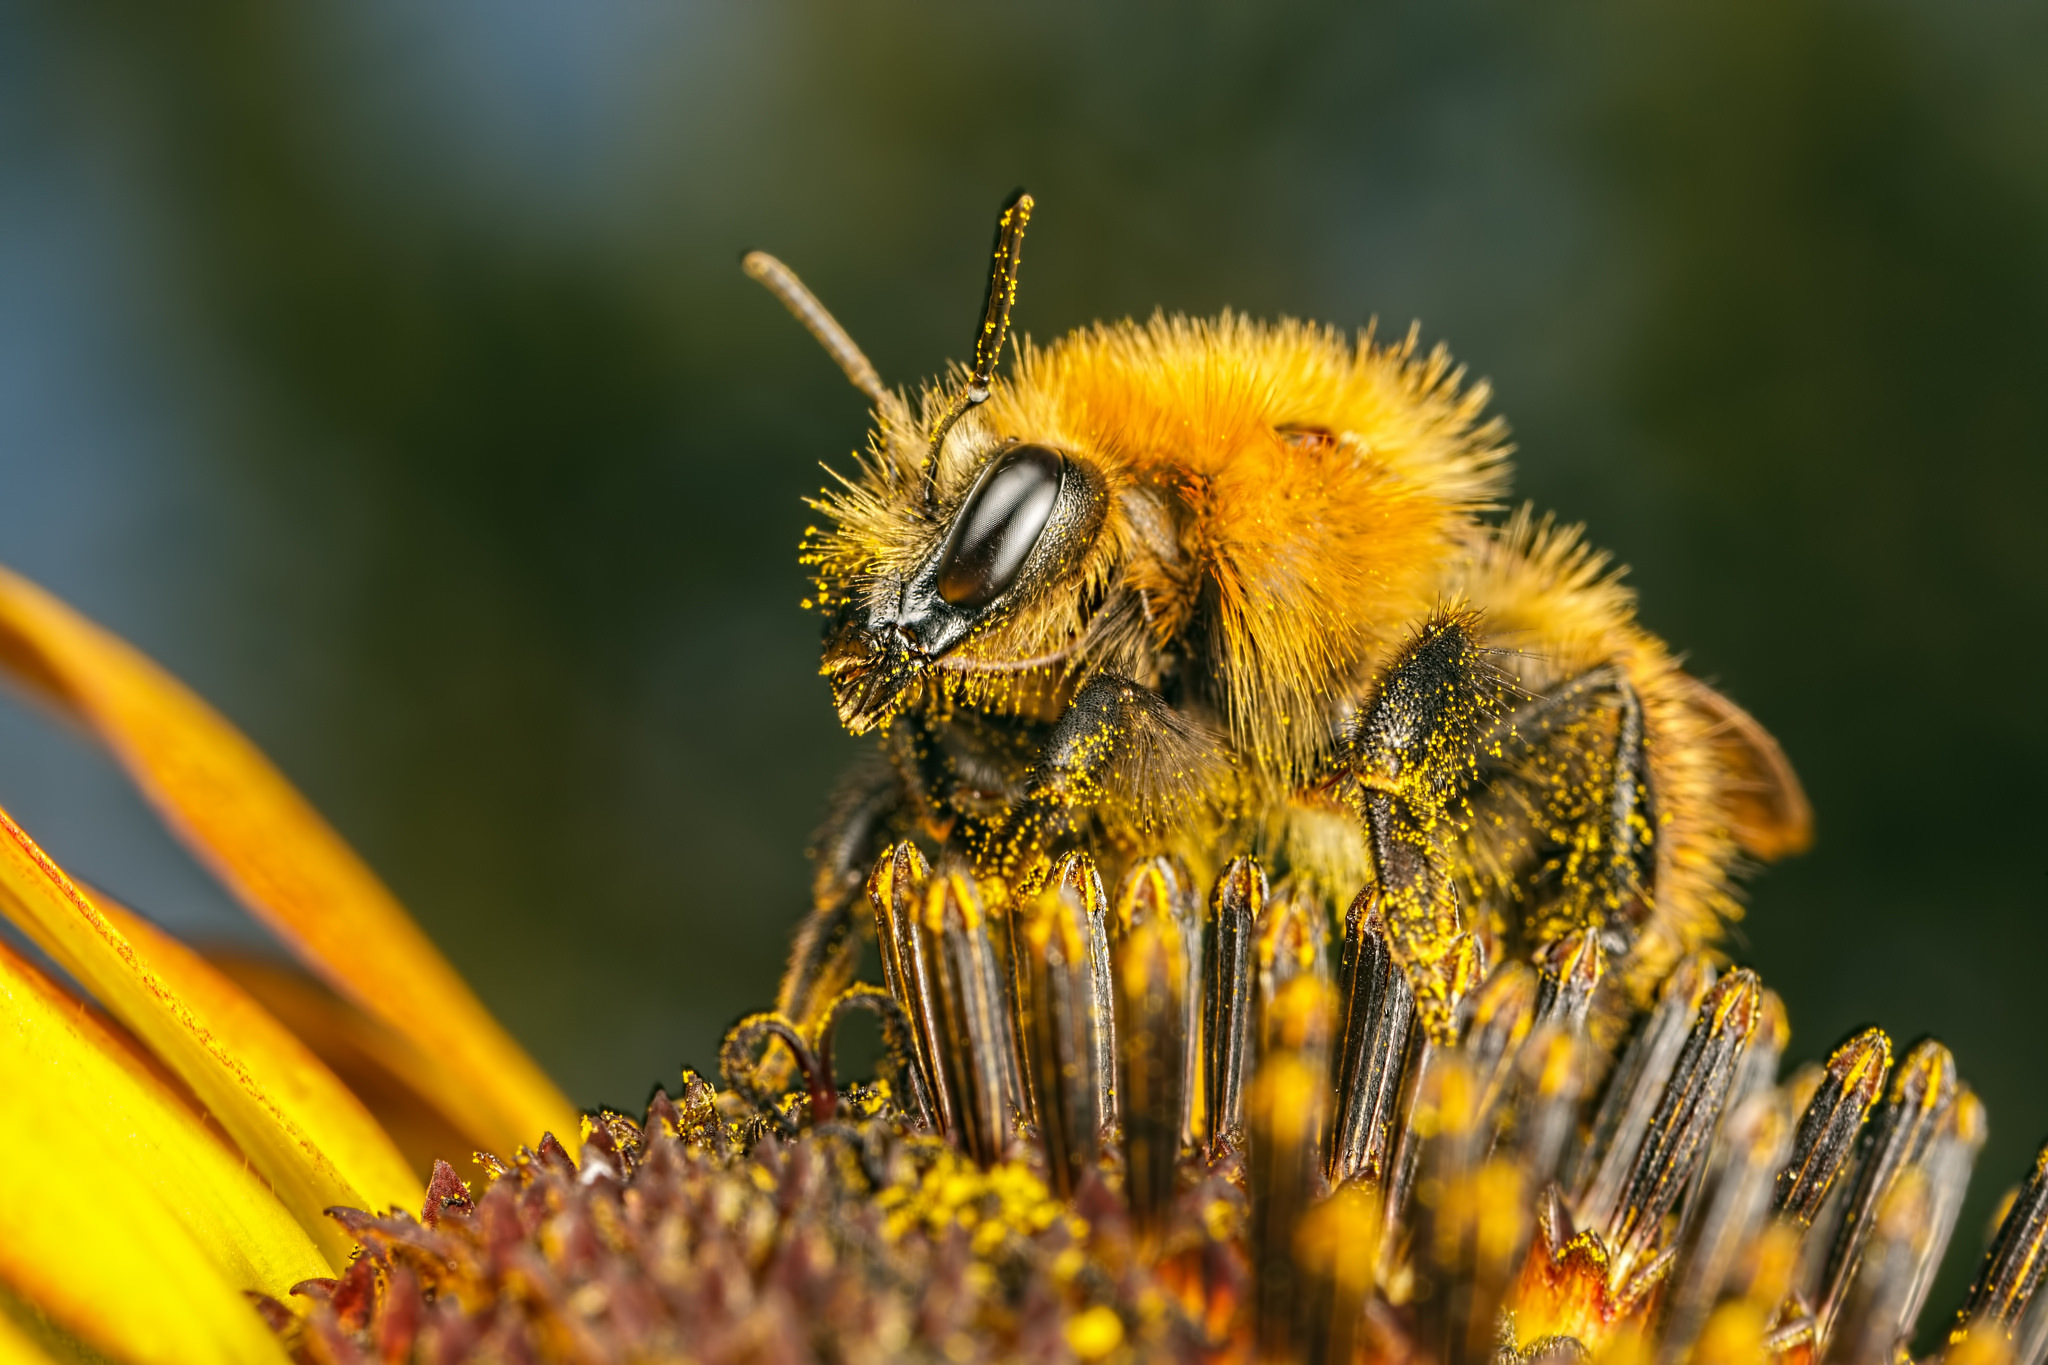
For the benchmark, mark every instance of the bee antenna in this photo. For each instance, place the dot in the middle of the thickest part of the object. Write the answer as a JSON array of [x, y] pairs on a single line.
[[782, 282], [995, 327]]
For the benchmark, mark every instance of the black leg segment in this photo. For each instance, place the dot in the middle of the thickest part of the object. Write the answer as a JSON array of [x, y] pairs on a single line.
[[1411, 758]]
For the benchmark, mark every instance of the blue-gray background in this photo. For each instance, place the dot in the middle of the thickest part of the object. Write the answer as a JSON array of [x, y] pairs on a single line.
[[385, 370]]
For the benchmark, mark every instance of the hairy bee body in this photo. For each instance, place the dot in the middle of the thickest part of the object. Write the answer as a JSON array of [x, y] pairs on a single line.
[[1200, 588]]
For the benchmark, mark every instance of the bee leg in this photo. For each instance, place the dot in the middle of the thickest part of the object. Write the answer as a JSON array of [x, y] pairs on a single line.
[[1565, 818], [827, 948], [1411, 757], [924, 775], [1116, 741]]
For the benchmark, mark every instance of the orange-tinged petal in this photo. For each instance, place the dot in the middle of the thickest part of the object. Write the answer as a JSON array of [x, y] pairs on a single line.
[[299, 1126], [127, 1222], [364, 1054], [285, 863]]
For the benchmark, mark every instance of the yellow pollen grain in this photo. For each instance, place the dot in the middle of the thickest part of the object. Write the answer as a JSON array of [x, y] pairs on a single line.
[[957, 1191], [1094, 1333]]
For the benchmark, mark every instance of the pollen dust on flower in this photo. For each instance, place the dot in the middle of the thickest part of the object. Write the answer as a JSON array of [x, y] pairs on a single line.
[[1007, 1200], [1094, 1333]]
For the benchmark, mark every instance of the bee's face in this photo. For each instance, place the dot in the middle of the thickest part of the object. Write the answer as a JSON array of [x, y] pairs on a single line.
[[1029, 516]]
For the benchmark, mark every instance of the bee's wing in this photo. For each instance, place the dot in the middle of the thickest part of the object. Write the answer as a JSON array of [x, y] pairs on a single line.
[[1766, 807]]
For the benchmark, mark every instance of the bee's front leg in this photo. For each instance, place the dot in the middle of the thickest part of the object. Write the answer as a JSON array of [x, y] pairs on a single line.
[[1118, 742], [863, 818], [1411, 758]]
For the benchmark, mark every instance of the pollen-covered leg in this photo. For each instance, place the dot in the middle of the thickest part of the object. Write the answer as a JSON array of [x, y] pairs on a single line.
[[1116, 743], [1411, 758], [1564, 827], [827, 948]]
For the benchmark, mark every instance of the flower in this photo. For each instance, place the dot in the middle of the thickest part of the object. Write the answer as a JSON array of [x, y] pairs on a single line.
[[1118, 1123], [160, 1160]]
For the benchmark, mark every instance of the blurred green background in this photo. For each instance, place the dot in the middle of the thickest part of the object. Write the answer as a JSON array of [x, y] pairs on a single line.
[[387, 372]]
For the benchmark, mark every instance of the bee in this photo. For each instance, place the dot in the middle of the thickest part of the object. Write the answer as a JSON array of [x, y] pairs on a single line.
[[1197, 587]]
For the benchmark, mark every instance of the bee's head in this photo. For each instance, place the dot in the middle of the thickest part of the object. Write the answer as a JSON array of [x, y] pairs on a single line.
[[955, 533], [1234, 512], [976, 563]]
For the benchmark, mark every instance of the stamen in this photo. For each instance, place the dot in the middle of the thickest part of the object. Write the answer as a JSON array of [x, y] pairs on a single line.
[[896, 889], [1471, 1221], [1635, 1089], [1502, 1012], [1152, 1052], [1287, 1105], [1900, 1136], [1293, 940], [971, 1040], [1827, 1130], [1949, 1161], [1062, 1033], [1162, 888], [2014, 1265], [1874, 1311], [1396, 1200], [1541, 1108], [1733, 1206], [1675, 1145], [1238, 901], [1076, 873], [1372, 1043], [1759, 1071], [1463, 969], [1006, 916]]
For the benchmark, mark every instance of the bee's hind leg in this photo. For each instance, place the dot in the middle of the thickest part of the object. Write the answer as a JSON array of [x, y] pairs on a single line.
[[1411, 757]]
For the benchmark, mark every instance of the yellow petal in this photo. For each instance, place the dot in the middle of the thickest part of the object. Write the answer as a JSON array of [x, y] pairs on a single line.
[[129, 1223], [362, 1053], [16, 1348], [300, 1127], [323, 1107], [271, 848]]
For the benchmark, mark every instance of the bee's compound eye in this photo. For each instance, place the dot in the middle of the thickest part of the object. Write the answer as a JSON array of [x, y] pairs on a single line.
[[998, 525]]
